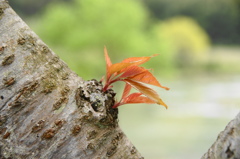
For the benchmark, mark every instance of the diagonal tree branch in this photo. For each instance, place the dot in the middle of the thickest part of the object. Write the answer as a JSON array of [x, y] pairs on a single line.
[[46, 110]]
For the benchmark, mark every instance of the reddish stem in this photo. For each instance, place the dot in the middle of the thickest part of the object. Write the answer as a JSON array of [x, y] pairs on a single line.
[[108, 84], [117, 105]]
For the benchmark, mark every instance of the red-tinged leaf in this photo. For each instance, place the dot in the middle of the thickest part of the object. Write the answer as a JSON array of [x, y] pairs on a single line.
[[150, 93], [138, 60], [115, 68], [126, 90], [107, 58], [147, 77], [137, 98], [132, 71], [102, 79], [108, 63], [133, 95], [126, 99], [142, 99], [134, 98]]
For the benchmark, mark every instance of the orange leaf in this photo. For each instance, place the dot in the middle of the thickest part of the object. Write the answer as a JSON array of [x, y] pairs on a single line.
[[150, 93], [117, 67], [132, 71], [147, 77], [138, 60], [107, 58], [126, 90], [137, 98], [108, 62]]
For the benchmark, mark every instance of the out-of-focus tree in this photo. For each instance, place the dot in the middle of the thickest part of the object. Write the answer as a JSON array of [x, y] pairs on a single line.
[[188, 41], [220, 18], [84, 27], [94, 23]]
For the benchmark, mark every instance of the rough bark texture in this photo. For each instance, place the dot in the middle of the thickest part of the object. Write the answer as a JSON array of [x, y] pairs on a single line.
[[46, 110], [227, 145]]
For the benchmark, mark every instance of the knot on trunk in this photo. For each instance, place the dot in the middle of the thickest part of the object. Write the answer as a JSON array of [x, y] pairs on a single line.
[[96, 104]]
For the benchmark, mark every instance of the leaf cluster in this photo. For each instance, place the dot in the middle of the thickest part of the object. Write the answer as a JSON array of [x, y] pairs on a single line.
[[135, 77]]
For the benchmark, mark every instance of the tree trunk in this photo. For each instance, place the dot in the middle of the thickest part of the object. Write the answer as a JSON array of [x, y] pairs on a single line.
[[227, 145], [46, 110]]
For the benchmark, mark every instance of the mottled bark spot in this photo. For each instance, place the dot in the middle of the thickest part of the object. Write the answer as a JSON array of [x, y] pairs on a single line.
[[48, 134], [65, 75], [114, 144], [44, 49], [76, 129], [6, 135], [8, 81], [59, 123], [1, 12], [133, 150], [38, 126], [65, 91], [112, 150], [16, 103], [91, 135], [91, 146], [3, 130], [229, 152], [8, 60], [58, 104], [3, 119], [49, 84], [2, 49], [21, 41], [22, 97]]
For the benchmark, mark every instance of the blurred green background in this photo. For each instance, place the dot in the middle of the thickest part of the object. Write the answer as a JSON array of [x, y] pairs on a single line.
[[199, 46]]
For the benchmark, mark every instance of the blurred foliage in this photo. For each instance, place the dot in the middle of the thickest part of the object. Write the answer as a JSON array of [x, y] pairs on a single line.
[[188, 40], [84, 24], [82, 28], [79, 30], [220, 18]]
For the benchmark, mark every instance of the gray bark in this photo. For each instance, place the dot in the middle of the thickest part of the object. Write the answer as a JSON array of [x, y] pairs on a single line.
[[46, 110], [227, 145]]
